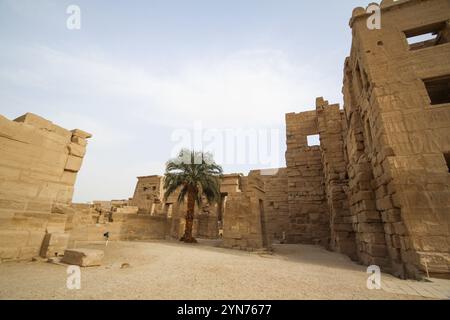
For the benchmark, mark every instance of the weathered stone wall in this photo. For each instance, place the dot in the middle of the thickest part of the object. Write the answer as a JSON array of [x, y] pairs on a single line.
[[330, 122], [276, 205], [139, 227], [148, 194], [38, 167], [89, 223], [244, 221], [379, 179], [206, 221], [148, 197], [397, 139], [239, 214], [308, 214]]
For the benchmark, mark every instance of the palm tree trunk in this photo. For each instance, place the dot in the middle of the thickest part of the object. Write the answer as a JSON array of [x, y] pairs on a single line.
[[189, 218]]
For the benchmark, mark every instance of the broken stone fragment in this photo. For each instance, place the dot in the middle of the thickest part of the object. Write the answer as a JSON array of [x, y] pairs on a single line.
[[80, 141], [81, 134], [83, 257]]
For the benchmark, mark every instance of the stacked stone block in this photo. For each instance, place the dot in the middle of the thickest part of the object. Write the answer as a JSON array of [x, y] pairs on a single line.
[[276, 205], [403, 137], [38, 167], [308, 214], [244, 220], [331, 130]]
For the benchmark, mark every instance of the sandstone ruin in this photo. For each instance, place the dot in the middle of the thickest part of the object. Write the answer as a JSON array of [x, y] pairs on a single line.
[[377, 188], [38, 164]]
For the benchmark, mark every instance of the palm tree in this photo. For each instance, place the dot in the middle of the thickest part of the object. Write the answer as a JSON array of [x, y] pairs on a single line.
[[194, 174]]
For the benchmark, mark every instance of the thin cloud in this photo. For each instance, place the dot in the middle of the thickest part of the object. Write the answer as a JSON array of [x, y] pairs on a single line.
[[125, 106], [247, 87]]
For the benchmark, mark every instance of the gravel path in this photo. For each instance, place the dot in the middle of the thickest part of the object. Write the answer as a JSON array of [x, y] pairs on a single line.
[[172, 270]]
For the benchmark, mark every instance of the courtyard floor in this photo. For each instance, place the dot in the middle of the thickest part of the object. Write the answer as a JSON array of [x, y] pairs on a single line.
[[172, 270]]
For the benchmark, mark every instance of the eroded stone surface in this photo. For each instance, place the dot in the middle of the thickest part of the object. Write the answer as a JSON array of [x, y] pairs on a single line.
[[38, 167]]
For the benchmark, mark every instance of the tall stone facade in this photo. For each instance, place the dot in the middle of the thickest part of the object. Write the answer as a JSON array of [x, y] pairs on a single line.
[[397, 110], [309, 220], [244, 221], [378, 186], [39, 163], [330, 121], [148, 195], [318, 182]]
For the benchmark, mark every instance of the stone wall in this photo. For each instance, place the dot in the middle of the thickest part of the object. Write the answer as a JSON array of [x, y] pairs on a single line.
[[206, 221], [397, 138], [308, 214], [121, 223], [38, 167], [148, 195], [331, 126], [244, 220], [240, 215], [378, 186], [276, 205]]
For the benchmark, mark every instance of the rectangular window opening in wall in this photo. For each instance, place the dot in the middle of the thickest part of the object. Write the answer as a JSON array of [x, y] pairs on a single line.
[[313, 140], [438, 89], [428, 36], [447, 160]]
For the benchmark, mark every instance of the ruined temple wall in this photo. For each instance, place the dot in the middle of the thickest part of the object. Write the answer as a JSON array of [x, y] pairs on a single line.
[[205, 224], [39, 163], [206, 221], [141, 227], [367, 223], [276, 205], [148, 194], [243, 226], [149, 198], [178, 220], [124, 227], [331, 129], [397, 138], [308, 213]]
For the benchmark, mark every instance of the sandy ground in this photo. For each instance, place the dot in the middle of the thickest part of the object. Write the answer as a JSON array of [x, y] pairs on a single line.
[[172, 270]]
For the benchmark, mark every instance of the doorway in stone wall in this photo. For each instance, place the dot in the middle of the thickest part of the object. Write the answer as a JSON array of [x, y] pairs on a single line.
[[221, 212], [263, 224], [168, 207]]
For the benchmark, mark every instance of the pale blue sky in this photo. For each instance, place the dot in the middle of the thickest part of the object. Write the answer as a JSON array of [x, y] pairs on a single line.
[[138, 71]]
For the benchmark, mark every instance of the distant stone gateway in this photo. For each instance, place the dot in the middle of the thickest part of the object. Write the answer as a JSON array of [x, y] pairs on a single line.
[[376, 188]]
